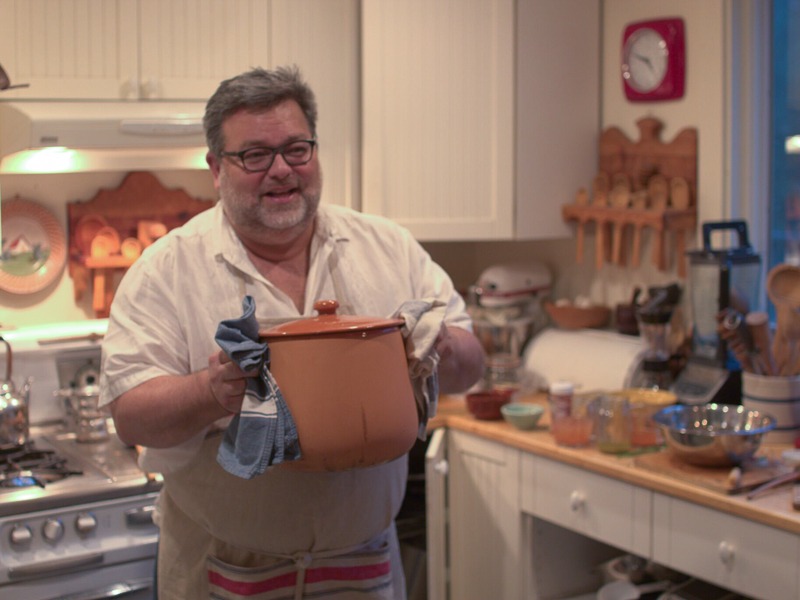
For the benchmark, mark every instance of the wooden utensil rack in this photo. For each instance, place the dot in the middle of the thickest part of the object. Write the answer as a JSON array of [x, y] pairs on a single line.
[[108, 232], [641, 185]]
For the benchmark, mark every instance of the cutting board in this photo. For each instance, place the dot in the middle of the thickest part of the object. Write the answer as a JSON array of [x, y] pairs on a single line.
[[713, 478]]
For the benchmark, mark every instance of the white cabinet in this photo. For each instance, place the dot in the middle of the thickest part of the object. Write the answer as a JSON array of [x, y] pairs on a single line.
[[602, 508], [130, 49], [484, 525], [480, 116], [735, 553], [182, 49], [163, 49]]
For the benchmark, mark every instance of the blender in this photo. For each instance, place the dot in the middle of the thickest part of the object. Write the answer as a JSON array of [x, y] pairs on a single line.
[[654, 316], [721, 278]]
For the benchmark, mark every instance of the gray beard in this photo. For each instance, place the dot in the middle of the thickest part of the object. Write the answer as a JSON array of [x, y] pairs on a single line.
[[256, 217]]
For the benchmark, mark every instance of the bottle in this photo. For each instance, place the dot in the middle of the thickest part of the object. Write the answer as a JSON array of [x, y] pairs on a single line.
[[560, 399]]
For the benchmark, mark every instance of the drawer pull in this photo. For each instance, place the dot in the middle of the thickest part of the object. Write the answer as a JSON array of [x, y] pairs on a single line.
[[576, 501], [727, 552], [442, 467]]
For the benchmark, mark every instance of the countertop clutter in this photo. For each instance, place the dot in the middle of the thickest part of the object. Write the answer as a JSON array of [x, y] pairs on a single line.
[[657, 471]]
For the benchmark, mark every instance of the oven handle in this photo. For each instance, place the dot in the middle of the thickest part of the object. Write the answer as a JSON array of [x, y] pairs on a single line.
[[47, 567], [118, 590]]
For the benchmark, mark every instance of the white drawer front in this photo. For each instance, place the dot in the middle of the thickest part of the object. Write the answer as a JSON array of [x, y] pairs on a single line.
[[599, 507], [735, 553]]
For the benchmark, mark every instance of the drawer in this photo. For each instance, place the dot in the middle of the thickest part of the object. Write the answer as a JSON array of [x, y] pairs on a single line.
[[599, 507], [735, 553]]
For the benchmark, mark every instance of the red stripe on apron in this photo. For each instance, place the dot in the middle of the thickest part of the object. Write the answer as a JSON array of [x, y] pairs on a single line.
[[316, 575], [250, 588]]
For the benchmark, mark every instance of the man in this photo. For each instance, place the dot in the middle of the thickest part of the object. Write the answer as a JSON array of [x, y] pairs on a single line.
[[172, 391]]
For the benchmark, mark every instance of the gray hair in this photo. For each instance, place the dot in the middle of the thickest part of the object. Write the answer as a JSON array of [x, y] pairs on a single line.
[[256, 90]]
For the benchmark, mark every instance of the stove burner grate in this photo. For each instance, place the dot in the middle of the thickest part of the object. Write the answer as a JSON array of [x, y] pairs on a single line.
[[27, 466]]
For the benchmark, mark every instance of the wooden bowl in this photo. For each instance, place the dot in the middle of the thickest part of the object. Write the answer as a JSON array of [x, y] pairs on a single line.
[[575, 317]]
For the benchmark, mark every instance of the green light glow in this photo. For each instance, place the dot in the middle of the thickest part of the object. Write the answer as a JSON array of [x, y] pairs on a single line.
[[67, 160]]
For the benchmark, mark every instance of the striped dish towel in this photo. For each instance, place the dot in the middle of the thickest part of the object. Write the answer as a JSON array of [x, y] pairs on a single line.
[[263, 433]]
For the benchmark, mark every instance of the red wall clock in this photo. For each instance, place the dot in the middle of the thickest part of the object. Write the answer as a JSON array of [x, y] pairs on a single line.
[[654, 60]]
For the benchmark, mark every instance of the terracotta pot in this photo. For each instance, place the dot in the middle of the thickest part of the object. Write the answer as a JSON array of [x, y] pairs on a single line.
[[345, 380]]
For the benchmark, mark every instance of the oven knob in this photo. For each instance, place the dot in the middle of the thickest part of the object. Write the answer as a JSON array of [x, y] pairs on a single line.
[[53, 530], [85, 523], [20, 535]]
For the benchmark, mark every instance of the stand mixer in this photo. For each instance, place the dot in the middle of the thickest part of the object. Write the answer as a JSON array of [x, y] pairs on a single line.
[[505, 306]]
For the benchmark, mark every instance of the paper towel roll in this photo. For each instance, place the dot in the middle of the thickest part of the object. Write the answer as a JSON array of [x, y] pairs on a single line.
[[592, 359]]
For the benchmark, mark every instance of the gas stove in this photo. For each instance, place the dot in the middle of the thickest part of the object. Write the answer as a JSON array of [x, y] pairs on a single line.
[[55, 470], [76, 516]]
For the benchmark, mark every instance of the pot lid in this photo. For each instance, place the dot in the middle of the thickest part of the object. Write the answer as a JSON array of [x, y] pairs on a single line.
[[328, 322]]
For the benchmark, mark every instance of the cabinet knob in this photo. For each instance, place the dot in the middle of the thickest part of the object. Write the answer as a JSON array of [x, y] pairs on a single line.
[[577, 500], [442, 467], [727, 552], [148, 89]]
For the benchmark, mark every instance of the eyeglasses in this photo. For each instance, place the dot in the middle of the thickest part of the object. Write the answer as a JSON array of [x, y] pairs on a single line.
[[254, 160]]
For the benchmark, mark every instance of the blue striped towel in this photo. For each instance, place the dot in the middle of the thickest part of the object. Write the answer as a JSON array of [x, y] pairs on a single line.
[[263, 433]]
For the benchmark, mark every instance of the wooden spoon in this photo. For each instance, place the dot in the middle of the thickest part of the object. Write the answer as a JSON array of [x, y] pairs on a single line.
[[783, 289]]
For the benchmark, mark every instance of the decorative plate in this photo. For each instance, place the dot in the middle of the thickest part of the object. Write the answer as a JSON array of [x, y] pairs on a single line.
[[34, 248]]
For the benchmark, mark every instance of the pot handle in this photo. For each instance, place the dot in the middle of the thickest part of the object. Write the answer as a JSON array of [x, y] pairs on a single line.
[[8, 358]]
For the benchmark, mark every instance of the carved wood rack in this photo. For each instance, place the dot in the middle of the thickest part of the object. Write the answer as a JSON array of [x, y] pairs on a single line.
[[108, 233], [640, 185]]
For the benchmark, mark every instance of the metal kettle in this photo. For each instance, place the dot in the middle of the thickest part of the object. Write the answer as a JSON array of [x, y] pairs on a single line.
[[14, 427]]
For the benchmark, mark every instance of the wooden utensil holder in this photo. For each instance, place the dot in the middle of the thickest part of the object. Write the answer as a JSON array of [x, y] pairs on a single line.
[[641, 185]]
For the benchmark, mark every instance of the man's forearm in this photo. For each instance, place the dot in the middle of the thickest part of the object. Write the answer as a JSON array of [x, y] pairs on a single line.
[[166, 411]]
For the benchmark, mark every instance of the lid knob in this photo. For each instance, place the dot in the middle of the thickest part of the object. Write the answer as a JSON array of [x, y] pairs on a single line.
[[326, 307]]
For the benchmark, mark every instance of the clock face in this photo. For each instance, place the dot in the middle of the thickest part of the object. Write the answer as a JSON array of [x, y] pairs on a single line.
[[645, 60]]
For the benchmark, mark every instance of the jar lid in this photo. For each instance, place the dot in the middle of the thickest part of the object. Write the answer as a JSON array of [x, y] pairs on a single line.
[[328, 322], [562, 387]]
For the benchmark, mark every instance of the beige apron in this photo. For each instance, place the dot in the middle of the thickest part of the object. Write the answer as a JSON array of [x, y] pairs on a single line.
[[330, 534]]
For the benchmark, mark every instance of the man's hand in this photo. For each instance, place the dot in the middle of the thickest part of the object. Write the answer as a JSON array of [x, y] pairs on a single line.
[[227, 381]]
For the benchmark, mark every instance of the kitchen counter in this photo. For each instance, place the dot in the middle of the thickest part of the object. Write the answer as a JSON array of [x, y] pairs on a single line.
[[773, 508]]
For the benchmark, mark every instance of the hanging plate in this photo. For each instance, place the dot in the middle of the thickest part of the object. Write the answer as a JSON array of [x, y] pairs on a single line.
[[34, 248]]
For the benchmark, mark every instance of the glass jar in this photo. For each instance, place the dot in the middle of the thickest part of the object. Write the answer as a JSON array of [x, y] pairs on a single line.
[[502, 372]]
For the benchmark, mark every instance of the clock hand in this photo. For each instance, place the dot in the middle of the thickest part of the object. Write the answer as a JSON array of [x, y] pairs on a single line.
[[645, 60]]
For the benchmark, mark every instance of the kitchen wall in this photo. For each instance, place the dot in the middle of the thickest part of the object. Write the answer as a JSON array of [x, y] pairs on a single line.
[[706, 106]]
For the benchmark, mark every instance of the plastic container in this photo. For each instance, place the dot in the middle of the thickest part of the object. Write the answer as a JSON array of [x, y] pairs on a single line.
[[613, 427], [644, 403]]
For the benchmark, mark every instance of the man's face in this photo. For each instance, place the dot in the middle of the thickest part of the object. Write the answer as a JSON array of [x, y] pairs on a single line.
[[268, 205]]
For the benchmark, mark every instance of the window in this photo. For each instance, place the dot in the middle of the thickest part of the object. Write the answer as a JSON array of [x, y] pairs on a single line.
[[784, 238]]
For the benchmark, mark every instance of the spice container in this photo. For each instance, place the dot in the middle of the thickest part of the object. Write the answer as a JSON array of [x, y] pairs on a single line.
[[571, 422]]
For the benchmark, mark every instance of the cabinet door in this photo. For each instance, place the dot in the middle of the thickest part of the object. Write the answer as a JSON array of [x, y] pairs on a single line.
[[69, 49], [735, 553], [602, 508], [484, 519], [438, 116], [322, 39], [436, 469], [188, 47]]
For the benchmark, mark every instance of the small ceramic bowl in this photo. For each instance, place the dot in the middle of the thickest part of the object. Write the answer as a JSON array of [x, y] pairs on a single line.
[[486, 404], [522, 415]]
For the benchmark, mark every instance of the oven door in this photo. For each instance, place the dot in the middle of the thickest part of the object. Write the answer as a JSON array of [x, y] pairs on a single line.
[[124, 581]]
